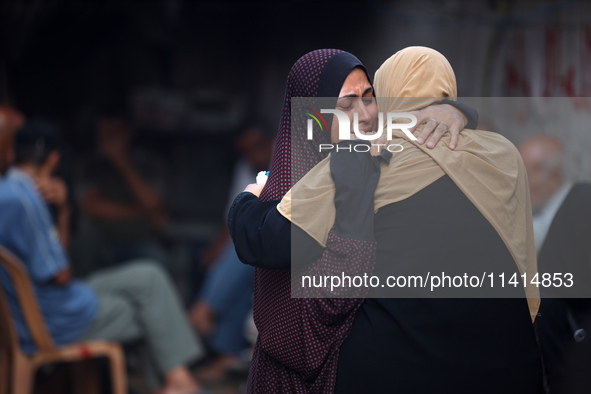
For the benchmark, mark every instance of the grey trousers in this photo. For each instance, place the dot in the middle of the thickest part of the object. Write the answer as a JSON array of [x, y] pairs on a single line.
[[138, 301]]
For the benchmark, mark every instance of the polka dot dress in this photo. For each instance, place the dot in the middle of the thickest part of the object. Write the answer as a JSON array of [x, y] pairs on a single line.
[[299, 338]]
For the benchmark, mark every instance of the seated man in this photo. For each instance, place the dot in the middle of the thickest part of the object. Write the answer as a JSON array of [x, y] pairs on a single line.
[[122, 304], [123, 194]]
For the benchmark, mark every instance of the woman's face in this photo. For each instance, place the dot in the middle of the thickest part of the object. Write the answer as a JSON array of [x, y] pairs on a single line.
[[356, 95]]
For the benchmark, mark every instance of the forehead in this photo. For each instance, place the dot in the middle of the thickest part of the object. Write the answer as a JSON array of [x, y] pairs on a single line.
[[355, 84]]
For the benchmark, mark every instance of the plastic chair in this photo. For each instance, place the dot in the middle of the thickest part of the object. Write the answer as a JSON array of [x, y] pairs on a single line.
[[17, 370]]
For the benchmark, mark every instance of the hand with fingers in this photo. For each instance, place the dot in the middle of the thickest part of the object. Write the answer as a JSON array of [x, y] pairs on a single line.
[[53, 190], [438, 120]]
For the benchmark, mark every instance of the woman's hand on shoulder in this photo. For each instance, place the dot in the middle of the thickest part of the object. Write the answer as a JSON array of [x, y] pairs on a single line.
[[438, 120]]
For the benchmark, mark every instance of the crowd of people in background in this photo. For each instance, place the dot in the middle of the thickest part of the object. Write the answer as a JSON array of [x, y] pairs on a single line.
[[117, 283]]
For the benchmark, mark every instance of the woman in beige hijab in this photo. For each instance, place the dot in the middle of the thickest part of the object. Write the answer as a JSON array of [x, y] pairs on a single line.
[[426, 200]]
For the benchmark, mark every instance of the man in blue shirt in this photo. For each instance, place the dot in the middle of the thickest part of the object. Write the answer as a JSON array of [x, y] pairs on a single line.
[[121, 304], [27, 231]]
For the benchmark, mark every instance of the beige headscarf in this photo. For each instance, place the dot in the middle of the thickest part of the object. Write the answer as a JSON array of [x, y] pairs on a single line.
[[485, 166]]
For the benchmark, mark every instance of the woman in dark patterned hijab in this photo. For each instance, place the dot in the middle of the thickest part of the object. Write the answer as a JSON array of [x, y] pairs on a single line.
[[318, 74]]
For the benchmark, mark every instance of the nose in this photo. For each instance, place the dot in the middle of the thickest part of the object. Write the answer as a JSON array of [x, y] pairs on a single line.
[[364, 115]]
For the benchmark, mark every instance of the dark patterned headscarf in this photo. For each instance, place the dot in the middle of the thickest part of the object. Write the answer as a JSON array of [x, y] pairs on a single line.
[[319, 73], [299, 339]]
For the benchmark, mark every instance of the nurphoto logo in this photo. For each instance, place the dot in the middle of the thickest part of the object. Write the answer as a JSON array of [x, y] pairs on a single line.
[[393, 119]]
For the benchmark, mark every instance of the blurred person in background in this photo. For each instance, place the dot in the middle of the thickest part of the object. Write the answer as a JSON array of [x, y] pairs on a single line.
[[123, 194], [562, 228], [225, 300], [122, 304]]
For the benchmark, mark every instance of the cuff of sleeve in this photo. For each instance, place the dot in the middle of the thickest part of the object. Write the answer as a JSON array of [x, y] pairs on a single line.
[[470, 112]]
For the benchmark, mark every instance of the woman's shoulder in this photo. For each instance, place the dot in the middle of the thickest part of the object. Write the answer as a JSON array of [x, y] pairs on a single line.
[[489, 143]]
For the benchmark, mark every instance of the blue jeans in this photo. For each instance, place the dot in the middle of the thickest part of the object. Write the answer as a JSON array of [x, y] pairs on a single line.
[[228, 290]]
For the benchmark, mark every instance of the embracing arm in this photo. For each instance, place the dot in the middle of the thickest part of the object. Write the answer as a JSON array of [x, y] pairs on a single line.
[[469, 113], [262, 236], [450, 116]]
